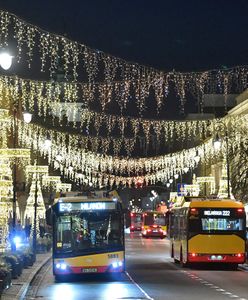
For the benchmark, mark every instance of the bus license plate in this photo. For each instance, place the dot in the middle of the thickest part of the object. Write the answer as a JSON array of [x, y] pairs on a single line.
[[89, 270], [216, 257], [155, 230]]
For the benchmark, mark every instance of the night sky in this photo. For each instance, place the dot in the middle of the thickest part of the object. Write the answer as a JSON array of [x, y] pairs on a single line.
[[181, 35]]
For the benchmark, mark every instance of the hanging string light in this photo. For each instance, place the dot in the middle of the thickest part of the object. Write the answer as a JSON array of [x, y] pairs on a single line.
[[74, 56]]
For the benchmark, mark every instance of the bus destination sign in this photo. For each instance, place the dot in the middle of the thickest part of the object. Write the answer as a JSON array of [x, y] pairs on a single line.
[[224, 213], [85, 206]]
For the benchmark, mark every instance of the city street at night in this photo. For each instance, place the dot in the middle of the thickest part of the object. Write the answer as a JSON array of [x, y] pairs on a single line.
[[123, 150], [150, 274]]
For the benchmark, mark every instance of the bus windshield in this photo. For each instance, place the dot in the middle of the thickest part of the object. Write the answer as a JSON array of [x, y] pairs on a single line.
[[155, 219], [89, 232]]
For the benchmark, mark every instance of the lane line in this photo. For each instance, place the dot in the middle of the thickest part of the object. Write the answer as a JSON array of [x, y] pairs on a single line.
[[212, 286], [139, 287]]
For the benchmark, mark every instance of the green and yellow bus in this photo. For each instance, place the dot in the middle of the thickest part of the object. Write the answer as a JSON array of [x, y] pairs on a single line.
[[88, 235], [208, 231]]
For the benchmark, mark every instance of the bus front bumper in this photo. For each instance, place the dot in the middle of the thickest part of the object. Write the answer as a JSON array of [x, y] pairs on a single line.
[[63, 269]]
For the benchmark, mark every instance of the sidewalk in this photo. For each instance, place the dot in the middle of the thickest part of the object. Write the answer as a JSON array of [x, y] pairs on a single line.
[[20, 285]]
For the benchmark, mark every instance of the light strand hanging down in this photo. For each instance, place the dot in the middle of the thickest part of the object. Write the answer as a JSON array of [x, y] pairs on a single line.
[[78, 58], [73, 158]]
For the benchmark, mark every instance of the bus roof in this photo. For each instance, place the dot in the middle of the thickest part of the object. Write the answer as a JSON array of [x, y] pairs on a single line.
[[154, 212], [93, 197], [206, 202], [84, 199]]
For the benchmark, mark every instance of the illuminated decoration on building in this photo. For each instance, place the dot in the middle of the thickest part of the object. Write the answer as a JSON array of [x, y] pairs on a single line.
[[6, 195], [210, 180], [192, 189], [222, 192], [5, 123], [41, 210], [33, 169], [48, 180], [22, 154], [119, 75], [63, 187]]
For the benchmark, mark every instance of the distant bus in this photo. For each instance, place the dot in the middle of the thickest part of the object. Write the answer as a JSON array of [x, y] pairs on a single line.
[[88, 236], [136, 221], [154, 224], [208, 231]]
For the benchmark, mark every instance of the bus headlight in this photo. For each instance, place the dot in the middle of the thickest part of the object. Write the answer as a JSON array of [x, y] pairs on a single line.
[[61, 266], [117, 264]]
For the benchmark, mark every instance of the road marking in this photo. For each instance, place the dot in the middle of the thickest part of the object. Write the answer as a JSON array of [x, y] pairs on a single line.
[[140, 288], [211, 285]]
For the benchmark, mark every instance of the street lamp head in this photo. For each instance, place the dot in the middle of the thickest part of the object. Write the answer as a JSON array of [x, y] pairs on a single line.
[[27, 117], [217, 142], [170, 180], [168, 184], [5, 60], [197, 157], [176, 176], [48, 143]]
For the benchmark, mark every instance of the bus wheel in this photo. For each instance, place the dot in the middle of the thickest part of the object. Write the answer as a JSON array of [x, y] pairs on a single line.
[[182, 263], [58, 278], [172, 252], [233, 267]]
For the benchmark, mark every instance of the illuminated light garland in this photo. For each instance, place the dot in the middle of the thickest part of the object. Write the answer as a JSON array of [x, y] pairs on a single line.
[[4, 116], [48, 180], [74, 55], [91, 163], [166, 130], [15, 153], [30, 169], [63, 187], [101, 169]]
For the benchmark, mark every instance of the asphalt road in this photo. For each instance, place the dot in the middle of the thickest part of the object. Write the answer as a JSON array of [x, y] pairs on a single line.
[[151, 274]]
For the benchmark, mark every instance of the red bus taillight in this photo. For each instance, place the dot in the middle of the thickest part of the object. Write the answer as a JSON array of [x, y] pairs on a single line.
[[131, 214], [240, 255], [194, 211], [240, 210]]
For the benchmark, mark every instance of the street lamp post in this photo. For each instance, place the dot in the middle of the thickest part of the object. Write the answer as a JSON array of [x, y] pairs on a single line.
[[28, 118], [217, 145]]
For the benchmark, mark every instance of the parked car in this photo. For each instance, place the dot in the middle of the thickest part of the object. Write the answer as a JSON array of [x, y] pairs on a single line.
[[5, 275]]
